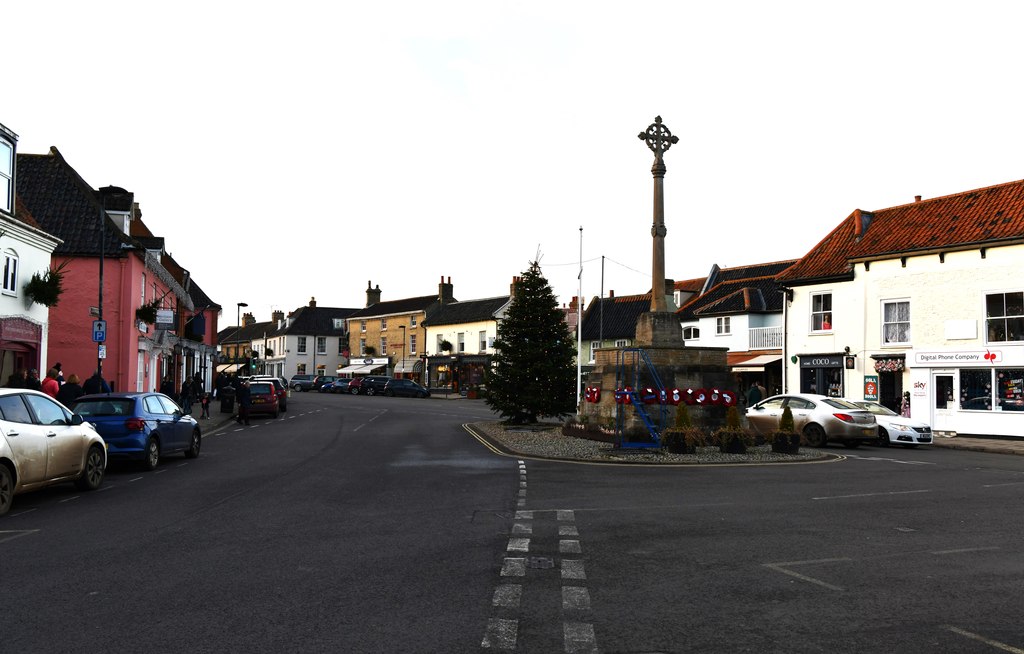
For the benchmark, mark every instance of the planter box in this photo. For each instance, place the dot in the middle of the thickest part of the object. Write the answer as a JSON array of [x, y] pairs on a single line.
[[786, 443]]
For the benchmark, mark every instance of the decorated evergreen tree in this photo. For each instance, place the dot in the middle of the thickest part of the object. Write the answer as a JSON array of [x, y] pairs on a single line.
[[533, 371]]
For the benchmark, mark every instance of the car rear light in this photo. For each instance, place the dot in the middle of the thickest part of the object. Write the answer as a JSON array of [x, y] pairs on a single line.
[[135, 424], [845, 417]]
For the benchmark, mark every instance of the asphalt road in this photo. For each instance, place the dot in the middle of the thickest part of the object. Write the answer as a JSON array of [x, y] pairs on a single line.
[[356, 524]]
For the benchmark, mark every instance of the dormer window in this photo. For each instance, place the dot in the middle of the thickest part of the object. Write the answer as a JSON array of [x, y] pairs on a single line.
[[6, 174], [691, 333]]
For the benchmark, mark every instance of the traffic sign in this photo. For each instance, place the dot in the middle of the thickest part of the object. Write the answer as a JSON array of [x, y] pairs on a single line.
[[102, 352], [99, 330]]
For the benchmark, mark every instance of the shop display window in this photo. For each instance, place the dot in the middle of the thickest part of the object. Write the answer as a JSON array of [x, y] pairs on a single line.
[[976, 390], [1010, 389]]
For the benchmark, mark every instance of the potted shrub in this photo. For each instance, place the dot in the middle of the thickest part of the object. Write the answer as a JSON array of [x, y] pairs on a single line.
[[785, 440], [683, 437], [733, 439]]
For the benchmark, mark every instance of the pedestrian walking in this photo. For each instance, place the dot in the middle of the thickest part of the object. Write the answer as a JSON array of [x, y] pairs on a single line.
[[762, 389], [244, 399], [206, 406], [60, 373], [32, 380], [96, 384], [16, 379], [186, 396], [50, 385], [70, 391], [754, 394]]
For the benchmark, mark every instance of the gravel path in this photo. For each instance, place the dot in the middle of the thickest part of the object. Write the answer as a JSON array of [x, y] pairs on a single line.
[[547, 441]]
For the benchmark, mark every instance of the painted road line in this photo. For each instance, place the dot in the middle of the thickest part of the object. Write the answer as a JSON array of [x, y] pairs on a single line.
[[965, 550], [843, 497], [575, 598], [518, 545], [569, 547], [500, 634], [524, 515], [513, 567], [522, 528], [782, 567], [573, 569], [508, 596], [12, 534], [579, 637], [982, 639], [565, 515]]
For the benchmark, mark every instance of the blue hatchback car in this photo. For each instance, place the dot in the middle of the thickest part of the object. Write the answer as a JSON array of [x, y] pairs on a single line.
[[140, 426]]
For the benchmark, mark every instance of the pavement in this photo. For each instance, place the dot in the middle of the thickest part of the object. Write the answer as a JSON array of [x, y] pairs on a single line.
[[981, 444]]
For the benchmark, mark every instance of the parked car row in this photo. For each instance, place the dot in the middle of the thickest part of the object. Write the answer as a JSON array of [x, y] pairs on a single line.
[[375, 385], [42, 442], [821, 419]]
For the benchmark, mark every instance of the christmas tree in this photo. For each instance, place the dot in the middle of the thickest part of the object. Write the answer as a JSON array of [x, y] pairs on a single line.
[[533, 371]]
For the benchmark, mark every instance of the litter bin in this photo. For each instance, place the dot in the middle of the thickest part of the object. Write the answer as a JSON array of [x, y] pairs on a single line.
[[227, 399]]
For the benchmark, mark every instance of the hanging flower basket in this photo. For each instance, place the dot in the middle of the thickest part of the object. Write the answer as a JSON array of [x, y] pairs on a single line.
[[147, 312], [889, 365], [46, 289]]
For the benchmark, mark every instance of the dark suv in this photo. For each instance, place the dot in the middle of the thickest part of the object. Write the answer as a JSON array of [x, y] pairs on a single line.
[[321, 380], [302, 382], [373, 385]]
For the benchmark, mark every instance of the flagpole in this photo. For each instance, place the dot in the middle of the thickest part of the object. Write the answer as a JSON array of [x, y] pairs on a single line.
[[579, 328]]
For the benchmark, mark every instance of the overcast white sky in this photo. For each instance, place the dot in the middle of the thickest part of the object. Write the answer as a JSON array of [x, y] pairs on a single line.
[[290, 150]]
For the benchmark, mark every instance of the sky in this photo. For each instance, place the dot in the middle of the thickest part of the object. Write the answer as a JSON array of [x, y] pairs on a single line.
[[295, 150]]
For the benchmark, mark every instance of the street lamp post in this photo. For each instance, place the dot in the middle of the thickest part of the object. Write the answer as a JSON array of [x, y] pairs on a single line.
[[238, 327], [104, 193]]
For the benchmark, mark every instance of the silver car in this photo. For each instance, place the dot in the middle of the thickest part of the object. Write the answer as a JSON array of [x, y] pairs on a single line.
[[43, 443], [819, 418], [896, 429]]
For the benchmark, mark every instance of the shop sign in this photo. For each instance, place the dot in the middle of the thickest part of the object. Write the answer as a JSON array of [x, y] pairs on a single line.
[[959, 357], [822, 361], [920, 389], [871, 388]]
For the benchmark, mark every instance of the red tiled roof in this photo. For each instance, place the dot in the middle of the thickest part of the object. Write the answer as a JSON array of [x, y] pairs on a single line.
[[994, 214]]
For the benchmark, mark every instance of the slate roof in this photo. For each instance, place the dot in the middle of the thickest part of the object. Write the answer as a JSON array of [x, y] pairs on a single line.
[[743, 289], [617, 319], [316, 321], [990, 215], [66, 206], [407, 305], [454, 313]]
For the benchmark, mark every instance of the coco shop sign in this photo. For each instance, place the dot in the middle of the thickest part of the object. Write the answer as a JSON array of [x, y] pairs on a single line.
[[822, 361]]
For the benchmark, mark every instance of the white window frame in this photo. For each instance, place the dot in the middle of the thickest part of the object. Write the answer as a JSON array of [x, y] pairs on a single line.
[[321, 345], [12, 266], [461, 338], [341, 346], [691, 333], [412, 320], [362, 347], [483, 342], [362, 326], [142, 295], [7, 175], [622, 342], [383, 324], [383, 351], [1006, 316], [594, 345], [895, 323], [412, 343], [723, 326], [300, 346], [818, 313]]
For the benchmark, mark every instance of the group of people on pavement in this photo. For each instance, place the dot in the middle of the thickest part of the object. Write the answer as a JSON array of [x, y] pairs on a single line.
[[54, 384], [190, 393]]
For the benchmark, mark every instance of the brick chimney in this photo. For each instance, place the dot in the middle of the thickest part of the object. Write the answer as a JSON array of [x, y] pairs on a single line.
[[277, 316], [611, 294], [444, 291], [312, 302], [512, 286], [372, 294], [248, 319]]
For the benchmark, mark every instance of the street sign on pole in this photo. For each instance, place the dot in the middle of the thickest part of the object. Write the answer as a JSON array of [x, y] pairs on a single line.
[[99, 331], [102, 353]]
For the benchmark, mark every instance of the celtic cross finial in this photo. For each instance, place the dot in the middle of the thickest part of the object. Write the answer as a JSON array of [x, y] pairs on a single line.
[[658, 137]]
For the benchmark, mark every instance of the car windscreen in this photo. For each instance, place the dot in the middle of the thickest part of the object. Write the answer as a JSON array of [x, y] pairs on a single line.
[[876, 408], [106, 406], [837, 403]]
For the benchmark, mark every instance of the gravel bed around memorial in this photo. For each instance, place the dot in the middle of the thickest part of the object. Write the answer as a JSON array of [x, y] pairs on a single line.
[[548, 442]]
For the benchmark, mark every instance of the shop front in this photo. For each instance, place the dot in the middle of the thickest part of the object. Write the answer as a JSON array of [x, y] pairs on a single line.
[[457, 372], [969, 391], [19, 346], [822, 374]]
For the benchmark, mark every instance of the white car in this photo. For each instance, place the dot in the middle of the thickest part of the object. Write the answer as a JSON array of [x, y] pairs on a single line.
[[43, 443], [896, 429]]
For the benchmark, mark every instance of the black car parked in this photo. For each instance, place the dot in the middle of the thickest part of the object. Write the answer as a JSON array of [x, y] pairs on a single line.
[[373, 385], [405, 388]]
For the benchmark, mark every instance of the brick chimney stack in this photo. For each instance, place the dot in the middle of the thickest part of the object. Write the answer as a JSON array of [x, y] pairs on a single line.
[[312, 302], [277, 316], [444, 291], [248, 319], [512, 286], [372, 294]]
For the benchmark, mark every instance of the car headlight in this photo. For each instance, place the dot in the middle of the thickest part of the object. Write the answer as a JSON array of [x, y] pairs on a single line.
[[900, 426]]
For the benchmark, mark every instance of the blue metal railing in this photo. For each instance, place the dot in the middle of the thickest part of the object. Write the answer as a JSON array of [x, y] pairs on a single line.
[[634, 370]]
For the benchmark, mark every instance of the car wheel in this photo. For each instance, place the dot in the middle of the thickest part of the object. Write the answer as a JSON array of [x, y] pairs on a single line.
[[6, 489], [355, 391], [194, 444], [883, 437], [296, 388], [815, 436], [152, 457], [851, 444], [92, 475], [370, 391]]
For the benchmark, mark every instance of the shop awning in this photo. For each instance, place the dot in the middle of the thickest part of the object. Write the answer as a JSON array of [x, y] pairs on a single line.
[[757, 363], [409, 365], [228, 367], [359, 369]]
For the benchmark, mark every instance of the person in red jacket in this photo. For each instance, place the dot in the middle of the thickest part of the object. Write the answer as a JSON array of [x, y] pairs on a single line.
[[50, 385]]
